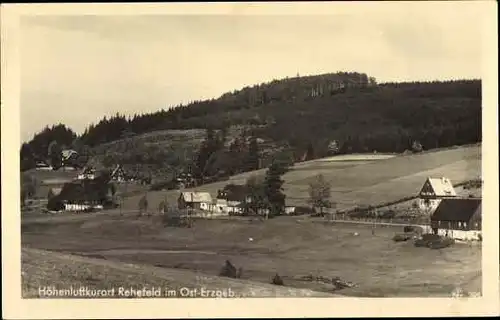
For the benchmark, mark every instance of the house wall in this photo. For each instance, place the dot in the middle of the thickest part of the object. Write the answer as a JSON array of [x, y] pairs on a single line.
[[205, 206], [233, 203], [217, 209], [428, 205], [465, 235], [80, 207], [90, 176], [232, 209], [457, 225]]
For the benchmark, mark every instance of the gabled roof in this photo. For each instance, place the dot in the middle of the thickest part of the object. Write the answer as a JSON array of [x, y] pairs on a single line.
[[55, 191], [197, 197], [117, 170], [88, 191], [234, 192], [457, 210], [438, 187], [66, 154]]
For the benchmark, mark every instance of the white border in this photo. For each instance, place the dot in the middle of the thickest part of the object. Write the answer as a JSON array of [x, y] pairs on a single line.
[[14, 307]]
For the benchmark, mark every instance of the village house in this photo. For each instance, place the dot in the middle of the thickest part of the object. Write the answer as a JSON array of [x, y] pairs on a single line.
[[118, 174], [41, 165], [87, 173], [236, 197], [81, 196], [458, 218], [68, 157], [433, 192], [195, 200], [234, 194]]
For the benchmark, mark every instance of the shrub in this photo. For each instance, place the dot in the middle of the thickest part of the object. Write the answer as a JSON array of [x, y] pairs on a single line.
[[441, 243], [229, 270], [277, 280], [388, 214], [401, 237]]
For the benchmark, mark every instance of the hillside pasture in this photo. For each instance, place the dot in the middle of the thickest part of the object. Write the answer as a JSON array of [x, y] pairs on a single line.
[[358, 157], [290, 246], [358, 183]]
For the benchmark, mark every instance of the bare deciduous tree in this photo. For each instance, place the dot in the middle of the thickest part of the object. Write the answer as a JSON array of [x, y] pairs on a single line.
[[319, 193]]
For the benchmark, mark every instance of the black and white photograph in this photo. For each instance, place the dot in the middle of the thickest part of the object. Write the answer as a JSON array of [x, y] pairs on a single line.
[[244, 153]]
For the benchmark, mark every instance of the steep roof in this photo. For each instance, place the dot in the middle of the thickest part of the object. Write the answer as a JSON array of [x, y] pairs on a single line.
[[117, 170], [88, 191], [457, 210], [197, 197], [438, 187], [66, 154], [234, 192]]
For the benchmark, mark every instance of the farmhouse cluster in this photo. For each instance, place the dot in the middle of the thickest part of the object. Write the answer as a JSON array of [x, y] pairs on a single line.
[[448, 214]]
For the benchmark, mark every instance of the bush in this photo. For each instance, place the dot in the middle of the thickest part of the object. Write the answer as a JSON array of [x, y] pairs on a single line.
[[277, 280], [434, 241], [388, 214], [430, 237], [229, 270], [401, 237]]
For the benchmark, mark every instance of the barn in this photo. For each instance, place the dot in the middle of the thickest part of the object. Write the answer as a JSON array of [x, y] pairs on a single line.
[[433, 191], [458, 218], [195, 200]]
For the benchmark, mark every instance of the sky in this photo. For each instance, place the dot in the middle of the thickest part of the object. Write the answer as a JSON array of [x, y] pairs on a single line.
[[75, 69]]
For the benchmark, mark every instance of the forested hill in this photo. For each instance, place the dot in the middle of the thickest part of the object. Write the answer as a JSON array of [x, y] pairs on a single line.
[[308, 113]]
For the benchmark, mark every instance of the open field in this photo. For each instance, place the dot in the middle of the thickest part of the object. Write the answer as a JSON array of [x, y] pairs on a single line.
[[42, 268], [358, 157], [358, 183], [291, 246]]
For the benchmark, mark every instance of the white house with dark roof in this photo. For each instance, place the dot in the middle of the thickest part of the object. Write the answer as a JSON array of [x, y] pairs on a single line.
[[433, 191], [457, 218], [195, 200]]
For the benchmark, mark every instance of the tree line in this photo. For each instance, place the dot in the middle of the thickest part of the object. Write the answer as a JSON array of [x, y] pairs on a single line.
[[307, 114]]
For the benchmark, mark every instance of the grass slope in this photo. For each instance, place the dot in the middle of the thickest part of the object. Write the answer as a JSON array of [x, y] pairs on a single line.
[[42, 268], [287, 245], [356, 183]]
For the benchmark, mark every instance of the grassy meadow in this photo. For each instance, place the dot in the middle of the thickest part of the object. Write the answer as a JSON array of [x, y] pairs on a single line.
[[291, 246], [357, 183], [132, 250]]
